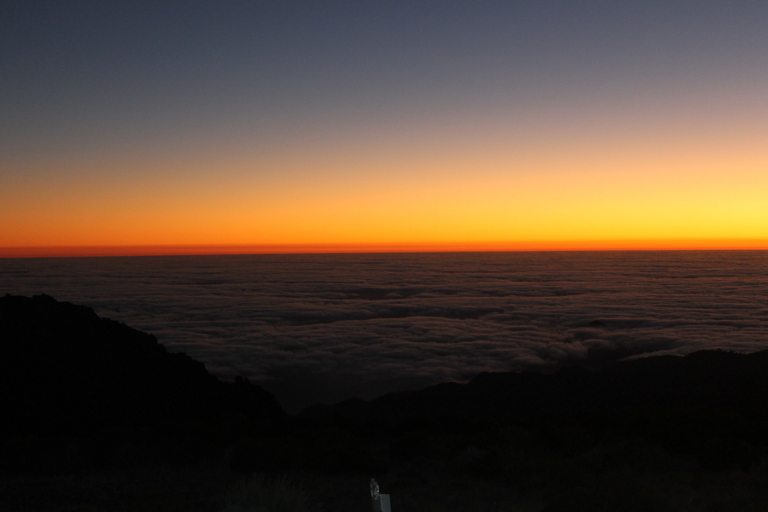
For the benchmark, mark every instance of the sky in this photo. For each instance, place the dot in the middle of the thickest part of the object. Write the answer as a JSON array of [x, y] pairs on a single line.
[[150, 127]]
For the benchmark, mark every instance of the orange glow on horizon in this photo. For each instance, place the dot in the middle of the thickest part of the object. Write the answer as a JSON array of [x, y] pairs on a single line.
[[586, 138], [596, 192], [531, 246]]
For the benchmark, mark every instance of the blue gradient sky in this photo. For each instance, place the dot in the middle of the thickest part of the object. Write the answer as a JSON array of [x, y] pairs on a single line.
[[162, 123]]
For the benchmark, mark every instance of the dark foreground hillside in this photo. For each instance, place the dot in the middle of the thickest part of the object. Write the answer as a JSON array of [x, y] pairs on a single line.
[[83, 395], [99, 416], [65, 371], [711, 405]]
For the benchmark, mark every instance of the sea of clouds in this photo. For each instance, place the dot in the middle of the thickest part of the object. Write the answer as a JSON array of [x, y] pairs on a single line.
[[323, 328]]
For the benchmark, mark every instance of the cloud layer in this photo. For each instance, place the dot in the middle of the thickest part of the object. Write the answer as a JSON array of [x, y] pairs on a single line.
[[322, 328]]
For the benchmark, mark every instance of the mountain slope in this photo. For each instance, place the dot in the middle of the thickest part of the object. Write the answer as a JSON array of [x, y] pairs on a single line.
[[65, 370]]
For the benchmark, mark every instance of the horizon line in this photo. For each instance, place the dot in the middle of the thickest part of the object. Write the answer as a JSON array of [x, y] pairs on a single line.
[[68, 251]]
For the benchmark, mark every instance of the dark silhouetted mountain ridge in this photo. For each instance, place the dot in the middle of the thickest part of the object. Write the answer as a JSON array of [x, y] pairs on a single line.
[[709, 379], [65, 370]]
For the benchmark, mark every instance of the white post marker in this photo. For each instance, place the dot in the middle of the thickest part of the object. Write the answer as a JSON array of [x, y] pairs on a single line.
[[380, 501]]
